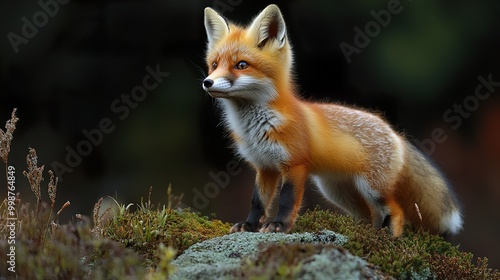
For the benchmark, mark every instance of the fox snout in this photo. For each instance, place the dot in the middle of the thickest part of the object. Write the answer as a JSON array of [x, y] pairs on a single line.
[[218, 88], [246, 88], [207, 83]]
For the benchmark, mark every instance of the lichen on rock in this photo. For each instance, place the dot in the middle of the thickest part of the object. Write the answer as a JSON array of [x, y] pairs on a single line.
[[250, 255], [310, 261]]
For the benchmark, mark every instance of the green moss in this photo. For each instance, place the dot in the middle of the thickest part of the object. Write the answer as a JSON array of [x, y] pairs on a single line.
[[416, 254], [144, 229]]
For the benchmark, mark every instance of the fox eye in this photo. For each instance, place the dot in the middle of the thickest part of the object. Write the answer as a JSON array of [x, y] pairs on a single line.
[[214, 65], [242, 65]]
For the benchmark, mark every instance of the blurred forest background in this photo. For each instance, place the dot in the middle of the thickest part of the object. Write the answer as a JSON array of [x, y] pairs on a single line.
[[75, 66]]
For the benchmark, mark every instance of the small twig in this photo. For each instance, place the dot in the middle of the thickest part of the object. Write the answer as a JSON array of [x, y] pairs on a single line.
[[419, 214], [169, 196], [65, 205], [53, 221], [149, 197]]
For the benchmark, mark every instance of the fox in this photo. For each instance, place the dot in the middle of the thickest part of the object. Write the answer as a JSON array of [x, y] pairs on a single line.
[[357, 161]]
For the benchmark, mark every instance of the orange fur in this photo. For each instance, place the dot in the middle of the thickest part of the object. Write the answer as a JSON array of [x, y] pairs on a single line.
[[356, 159], [397, 216], [268, 180]]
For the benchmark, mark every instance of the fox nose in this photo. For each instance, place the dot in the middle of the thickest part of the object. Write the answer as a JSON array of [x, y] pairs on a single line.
[[208, 83]]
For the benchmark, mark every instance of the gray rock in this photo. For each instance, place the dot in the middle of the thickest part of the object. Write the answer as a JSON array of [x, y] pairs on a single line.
[[226, 257]]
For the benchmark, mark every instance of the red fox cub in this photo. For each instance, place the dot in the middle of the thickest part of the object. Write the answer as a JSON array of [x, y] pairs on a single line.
[[356, 159]]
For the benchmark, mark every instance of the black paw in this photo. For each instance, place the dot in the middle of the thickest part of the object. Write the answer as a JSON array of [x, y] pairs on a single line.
[[274, 227], [243, 227]]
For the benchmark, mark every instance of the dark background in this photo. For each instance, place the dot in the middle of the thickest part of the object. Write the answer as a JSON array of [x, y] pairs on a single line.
[[423, 63]]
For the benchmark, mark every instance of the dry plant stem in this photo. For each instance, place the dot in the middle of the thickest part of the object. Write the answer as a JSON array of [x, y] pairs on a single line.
[[149, 197], [95, 213], [172, 200], [5, 140], [169, 198], [34, 175], [65, 205], [46, 229], [104, 214], [6, 137], [52, 189], [55, 219]]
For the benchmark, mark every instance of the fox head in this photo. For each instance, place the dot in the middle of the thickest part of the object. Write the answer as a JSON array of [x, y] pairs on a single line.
[[247, 63]]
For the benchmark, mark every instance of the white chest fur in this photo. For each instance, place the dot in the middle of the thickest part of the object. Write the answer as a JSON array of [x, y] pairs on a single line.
[[251, 123]]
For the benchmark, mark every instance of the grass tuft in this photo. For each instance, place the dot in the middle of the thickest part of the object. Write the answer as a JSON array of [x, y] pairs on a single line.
[[145, 228]]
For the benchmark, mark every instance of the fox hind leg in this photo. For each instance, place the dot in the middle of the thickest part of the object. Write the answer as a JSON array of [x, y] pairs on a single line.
[[396, 222], [372, 197], [342, 192], [394, 219], [385, 210]]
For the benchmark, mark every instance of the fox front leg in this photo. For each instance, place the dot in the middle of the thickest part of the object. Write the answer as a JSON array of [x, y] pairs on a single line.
[[266, 185], [290, 200]]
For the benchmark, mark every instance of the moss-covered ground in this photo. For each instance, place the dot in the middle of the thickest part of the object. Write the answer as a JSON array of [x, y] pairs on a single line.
[[139, 241], [416, 254]]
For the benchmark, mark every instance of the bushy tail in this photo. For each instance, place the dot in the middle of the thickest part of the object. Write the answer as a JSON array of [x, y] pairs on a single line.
[[436, 206]]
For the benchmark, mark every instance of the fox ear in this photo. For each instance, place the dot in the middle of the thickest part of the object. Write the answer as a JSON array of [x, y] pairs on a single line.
[[269, 26], [215, 25]]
